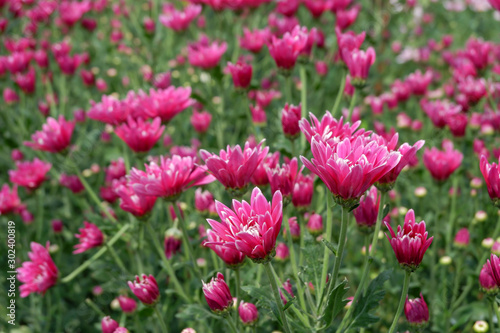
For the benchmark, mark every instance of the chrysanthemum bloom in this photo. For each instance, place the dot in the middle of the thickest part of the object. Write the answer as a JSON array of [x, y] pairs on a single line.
[[294, 229], [491, 174], [146, 290], [303, 191], [359, 63], [283, 178], [250, 228], [315, 224], [127, 304], [287, 285], [287, 7], [254, 40], [348, 41], [329, 129], [179, 20], [441, 164], [290, 116], [30, 174], [139, 135], [487, 281], [410, 243], [416, 311], [9, 200], [115, 170], [346, 17], [282, 252], [495, 4], [457, 123], [167, 103], [201, 121], [204, 54], [462, 238], [217, 294], [109, 325], [408, 154], [204, 202], [285, 51], [419, 82], [259, 116], [241, 73], [137, 205], [169, 179], [439, 111], [349, 169], [231, 257], [54, 137], [90, 236], [72, 182], [172, 242], [367, 211], [235, 166], [259, 177], [10, 96], [109, 110], [249, 315], [40, 273]]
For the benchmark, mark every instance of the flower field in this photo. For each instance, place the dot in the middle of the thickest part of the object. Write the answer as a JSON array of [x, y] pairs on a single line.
[[250, 166]]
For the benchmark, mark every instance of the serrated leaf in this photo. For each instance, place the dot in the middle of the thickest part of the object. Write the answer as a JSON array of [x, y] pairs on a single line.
[[264, 298], [330, 246], [335, 302], [363, 310], [289, 303]]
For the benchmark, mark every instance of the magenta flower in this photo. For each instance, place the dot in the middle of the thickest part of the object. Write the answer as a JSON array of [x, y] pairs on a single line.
[[303, 191], [285, 51], [146, 290], [495, 4], [315, 224], [172, 242], [167, 103], [346, 17], [109, 325], [30, 174], [241, 73], [416, 311], [72, 11], [110, 110], [72, 182], [9, 200], [441, 164], [40, 273], [204, 54], [234, 167], [283, 178], [348, 41], [127, 304], [250, 228], [217, 294], [249, 315], [287, 285], [487, 280], [254, 40], [349, 169], [418, 82], [231, 257], [329, 129], [179, 20], [139, 135], [491, 174], [462, 238], [204, 202], [259, 177], [359, 63], [201, 121], [290, 116], [439, 111], [90, 236], [54, 137], [367, 211], [282, 252], [410, 243], [137, 205], [169, 179]]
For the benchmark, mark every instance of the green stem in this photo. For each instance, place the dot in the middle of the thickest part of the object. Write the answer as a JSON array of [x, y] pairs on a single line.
[[359, 291], [456, 283], [238, 300], [340, 251], [378, 225], [451, 223], [229, 320], [497, 313], [49, 311], [402, 300], [270, 275], [288, 87], [340, 92], [326, 252], [185, 240], [95, 308], [303, 101], [162, 322], [353, 102], [40, 212], [96, 256], [116, 258], [169, 268]]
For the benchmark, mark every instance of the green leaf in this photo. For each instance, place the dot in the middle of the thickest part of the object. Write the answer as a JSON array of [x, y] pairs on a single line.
[[289, 303], [195, 312], [387, 208], [335, 302], [363, 310], [330, 246], [265, 299]]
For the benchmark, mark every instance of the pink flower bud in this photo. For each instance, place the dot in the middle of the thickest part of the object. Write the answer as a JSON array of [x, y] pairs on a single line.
[[249, 315], [315, 224], [201, 121], [290, 116], [462, 238], [173, 242], [282, 252], [416, 311], [146, 290], [217, 294], [127, 304]]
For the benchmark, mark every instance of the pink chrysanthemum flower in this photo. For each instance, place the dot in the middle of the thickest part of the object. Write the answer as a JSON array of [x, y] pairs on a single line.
[[9, 200], [40, 273], [54, 137], [350, 168], [217, 294], [167, 103], [179, 20], [146, 290], [137, 205], [204, 54], [285, 51], [234, 167], [109, 110], [283, 178], [139, 135], [169, 179], [90, 236], [250, 228], [410, 242], [367, 211], [231, 257], [30, 174], [491, 174], [441, 164]]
